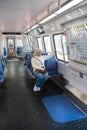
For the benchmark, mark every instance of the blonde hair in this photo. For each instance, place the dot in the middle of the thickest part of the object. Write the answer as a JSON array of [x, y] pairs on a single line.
[[36, 50]]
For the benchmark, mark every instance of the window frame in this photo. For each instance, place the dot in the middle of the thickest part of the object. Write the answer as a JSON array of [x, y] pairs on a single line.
[[38, 43], [61, 46], [45, 44]]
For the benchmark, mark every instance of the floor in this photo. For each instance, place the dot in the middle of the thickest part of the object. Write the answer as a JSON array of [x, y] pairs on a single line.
[[22, 109]]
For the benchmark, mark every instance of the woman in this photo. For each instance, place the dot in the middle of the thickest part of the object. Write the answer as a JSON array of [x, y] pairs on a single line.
[[38, 64]]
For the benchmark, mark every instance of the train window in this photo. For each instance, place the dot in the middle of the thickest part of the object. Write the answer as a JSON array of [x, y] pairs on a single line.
[[61, 48], [58, 46], [47, 44], [10, 43], [65, 48], [26, 46], [30, 43], [40, 43], [19, 42]]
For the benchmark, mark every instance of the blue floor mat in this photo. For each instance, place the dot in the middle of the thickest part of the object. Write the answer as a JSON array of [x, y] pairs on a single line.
[[62, 109]]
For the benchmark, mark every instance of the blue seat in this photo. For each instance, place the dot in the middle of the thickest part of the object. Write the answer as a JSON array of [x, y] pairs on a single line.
[[52, 66], [1, 71], [28, 62], [19, 50], [2, 63], [5, 52]]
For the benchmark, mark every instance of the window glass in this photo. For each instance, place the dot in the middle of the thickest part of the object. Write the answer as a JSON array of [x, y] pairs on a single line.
[[40, 44], [61, 47], [65, 48], [10, 43], [58, 46], [19, 42], [25, 42], [47, 44]]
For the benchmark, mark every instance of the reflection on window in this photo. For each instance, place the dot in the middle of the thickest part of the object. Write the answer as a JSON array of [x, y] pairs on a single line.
[[65, 48], [19, 42], [60, 45], [47, 44], [30, 43], [40, 44], [25, 44]]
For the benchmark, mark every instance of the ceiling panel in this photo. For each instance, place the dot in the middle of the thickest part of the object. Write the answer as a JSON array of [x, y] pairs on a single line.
[[15, 15]]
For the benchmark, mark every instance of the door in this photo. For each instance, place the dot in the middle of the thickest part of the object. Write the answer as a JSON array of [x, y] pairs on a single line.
[[11, 47]]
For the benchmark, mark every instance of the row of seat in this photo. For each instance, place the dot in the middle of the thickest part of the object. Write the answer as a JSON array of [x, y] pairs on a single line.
[[51, 65], [19, 50], [1, 70], [2, 64]]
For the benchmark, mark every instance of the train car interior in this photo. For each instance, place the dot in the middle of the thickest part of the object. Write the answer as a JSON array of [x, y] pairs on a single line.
[[58, 28]]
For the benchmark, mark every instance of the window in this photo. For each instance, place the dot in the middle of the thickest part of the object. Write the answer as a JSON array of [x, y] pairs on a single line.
[[19, 42], [10, 43], [25, 42], [47, 44], [65, 48], [61, 48], [58, 46], [40, 43]]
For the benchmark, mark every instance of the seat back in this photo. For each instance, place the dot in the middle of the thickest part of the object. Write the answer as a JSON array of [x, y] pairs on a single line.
[[19, 50], [52, 67], [5, 52], [1, 72], [29, 66], [51, 64]]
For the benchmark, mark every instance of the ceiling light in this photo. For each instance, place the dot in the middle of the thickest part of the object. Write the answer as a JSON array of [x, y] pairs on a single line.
[[36, 25], [82, 12], [68, 17], [48, 18], [62, 9], [68, 6]]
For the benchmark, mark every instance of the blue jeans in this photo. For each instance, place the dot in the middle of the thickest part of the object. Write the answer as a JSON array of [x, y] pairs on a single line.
[[40, 78]]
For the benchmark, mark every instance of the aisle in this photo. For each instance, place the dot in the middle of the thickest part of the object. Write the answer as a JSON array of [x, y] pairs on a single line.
[[20, 107]]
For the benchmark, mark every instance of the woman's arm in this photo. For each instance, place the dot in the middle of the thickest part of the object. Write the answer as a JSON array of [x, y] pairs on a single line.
[[49, 56]]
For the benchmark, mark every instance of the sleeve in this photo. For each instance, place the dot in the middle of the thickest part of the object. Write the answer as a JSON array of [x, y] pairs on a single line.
[[35, 64], [48, 56]]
